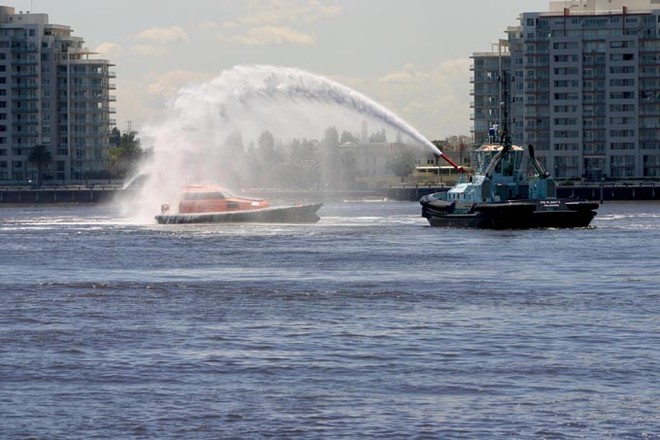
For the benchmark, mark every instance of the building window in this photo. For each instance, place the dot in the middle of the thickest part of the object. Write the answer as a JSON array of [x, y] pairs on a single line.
[[566, 134], [622, 56], [651, 166], [622, 166], [622, 69], [566, 147], [622, 146], [622, 107], [624, 82], [622, 133], [622, 95]]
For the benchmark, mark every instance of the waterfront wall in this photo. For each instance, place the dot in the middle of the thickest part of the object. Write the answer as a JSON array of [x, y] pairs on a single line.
[[601, 192], [56, 195]]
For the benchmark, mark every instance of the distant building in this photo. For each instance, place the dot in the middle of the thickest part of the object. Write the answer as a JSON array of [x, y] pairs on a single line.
[[486, 91], [51, 93], [585, 87]]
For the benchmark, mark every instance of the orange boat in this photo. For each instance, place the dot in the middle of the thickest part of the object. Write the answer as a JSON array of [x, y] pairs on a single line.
[[212, 204]]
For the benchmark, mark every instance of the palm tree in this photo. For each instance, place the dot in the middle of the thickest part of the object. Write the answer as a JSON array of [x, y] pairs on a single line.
[[41, 157]]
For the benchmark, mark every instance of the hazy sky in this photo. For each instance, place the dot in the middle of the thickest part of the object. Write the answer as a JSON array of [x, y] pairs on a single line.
[[412, 56]]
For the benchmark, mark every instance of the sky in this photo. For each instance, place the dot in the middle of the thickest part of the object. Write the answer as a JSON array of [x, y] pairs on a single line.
[[411, 56]]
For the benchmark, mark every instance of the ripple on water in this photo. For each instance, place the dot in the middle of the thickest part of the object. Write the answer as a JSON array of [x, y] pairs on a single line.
[[365, 326]]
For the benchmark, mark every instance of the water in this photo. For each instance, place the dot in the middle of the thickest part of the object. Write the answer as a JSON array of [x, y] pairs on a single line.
[[369, 324], [208, 131], [254, 86]]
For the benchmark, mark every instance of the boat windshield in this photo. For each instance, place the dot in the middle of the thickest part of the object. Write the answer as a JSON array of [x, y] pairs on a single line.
[[510, 163], [481, 159], [203, 196]]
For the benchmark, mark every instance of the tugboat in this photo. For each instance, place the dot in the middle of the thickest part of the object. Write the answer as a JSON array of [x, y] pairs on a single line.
[[212, 204], [501, 195]]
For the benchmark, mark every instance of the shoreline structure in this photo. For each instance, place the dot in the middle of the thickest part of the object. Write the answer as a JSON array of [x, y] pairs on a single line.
[[102, 193]]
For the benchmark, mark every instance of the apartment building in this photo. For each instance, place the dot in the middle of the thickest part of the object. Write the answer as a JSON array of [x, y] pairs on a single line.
[[585, 87], [487, 104], [54, 93]]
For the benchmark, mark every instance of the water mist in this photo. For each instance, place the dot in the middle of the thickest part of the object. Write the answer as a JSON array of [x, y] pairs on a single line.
[[190, 143]]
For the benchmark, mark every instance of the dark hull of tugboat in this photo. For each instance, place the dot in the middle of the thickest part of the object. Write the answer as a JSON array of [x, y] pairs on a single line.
[[279, 214], [514, 214]]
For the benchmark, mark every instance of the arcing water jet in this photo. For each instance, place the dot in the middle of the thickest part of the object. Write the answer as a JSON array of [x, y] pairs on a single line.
[[247, 99]]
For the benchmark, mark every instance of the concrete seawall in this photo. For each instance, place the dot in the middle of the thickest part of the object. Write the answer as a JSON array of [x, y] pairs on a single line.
[[605, 191], [56, 195]]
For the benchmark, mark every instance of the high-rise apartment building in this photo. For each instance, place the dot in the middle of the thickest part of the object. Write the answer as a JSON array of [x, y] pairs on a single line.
[[53, 93], [486, 91], [585, 87]]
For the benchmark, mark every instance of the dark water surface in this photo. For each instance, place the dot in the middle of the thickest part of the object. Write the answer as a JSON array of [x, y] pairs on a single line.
[[369, 324]]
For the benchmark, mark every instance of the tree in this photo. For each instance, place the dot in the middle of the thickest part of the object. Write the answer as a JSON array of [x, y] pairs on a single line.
[[304, 163], [131, 144], [402, 163], [330, 165], [266, 141], [347, 136], [378, 137], [234, 143], [269, 159], [40, 156], [270, 156], [439, 144], [125, 156], [331, 137], [115, 137]]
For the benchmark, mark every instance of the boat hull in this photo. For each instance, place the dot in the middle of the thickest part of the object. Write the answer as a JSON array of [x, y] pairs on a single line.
[[278, 214], [519, 214]]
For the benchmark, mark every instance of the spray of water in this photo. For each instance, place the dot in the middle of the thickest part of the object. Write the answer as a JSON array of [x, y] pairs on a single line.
[[191, 139], [288, 83]]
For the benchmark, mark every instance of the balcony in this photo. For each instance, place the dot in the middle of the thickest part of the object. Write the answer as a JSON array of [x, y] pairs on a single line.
[[25, 62], [32, 73], [25, 86]]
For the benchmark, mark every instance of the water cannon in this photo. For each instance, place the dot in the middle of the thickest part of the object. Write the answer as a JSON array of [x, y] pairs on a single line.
[[457, 167], [435, 146]]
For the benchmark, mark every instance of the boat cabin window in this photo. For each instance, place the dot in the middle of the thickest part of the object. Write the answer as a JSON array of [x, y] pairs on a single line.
[[203, 195], [509, 163], [481, 159]]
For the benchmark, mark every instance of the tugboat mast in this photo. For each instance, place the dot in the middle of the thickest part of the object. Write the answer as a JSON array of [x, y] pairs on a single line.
[[506, 136]]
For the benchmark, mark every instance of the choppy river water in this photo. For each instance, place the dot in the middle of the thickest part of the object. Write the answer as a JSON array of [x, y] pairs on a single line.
[[369, 324]]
